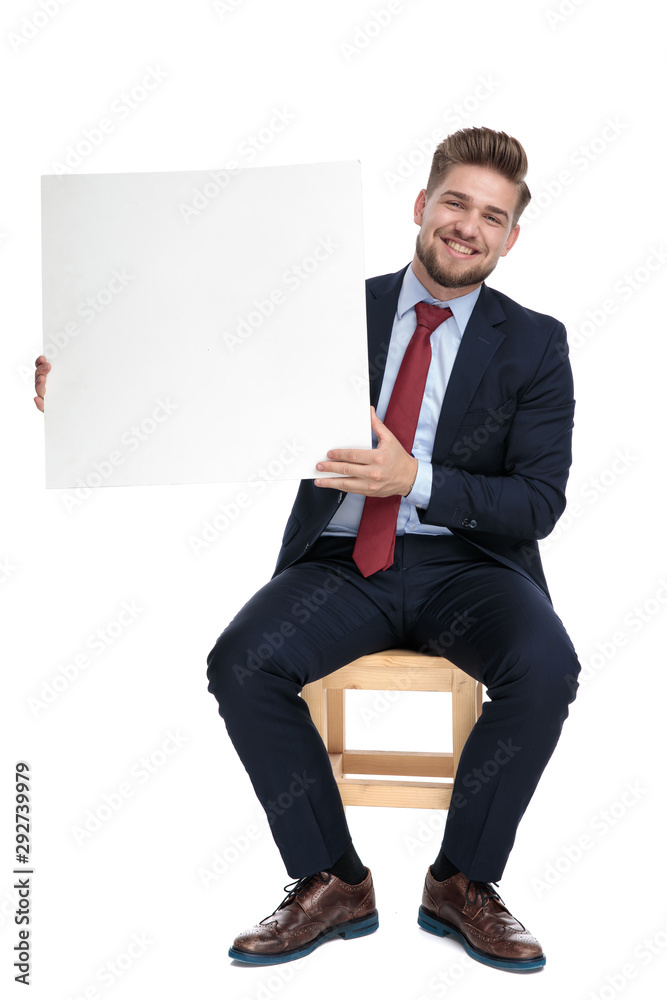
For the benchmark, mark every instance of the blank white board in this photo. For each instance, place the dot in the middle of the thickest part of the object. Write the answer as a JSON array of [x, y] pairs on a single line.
[[203, 326]]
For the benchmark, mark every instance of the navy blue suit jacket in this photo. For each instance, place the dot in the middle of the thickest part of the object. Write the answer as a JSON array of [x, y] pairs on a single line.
[[502, 448]]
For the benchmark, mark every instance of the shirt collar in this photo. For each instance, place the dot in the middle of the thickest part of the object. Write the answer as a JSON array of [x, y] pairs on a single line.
[[413, 291]]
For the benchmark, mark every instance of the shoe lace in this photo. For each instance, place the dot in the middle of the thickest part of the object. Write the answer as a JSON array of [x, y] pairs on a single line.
[[484, 892], [296, 888]]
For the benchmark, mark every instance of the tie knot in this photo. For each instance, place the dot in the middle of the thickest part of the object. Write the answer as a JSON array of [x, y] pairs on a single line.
[[431, 316]]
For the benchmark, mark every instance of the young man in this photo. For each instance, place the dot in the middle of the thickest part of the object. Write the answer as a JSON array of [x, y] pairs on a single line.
[[472, 411]]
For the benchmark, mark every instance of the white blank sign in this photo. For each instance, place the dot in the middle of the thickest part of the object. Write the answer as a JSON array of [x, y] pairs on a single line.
[[203, 326]]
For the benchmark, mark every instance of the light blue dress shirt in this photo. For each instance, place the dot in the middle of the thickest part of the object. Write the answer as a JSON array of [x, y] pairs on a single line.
[[445, 341]]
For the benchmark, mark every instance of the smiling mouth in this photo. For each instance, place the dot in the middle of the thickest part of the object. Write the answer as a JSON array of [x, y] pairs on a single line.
[[459, 248]]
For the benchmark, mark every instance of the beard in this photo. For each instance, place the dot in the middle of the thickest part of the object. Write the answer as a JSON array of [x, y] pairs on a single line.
[[450, 276]]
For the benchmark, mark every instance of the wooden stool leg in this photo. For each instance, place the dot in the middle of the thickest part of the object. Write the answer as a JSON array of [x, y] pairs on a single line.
[[327, 710], [335, 712], [313, 695], [335, 716], [464, 712]]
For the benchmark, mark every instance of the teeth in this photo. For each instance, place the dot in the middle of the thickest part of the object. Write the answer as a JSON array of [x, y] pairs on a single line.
[[457, 246]]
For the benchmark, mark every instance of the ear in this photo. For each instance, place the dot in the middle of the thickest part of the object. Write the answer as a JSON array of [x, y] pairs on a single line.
[[510, 241], [419, 206]]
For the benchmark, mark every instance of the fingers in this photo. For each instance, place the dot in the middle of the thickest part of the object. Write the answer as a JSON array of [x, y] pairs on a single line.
[[333, 484], [355, 456], [42, 369], [381, 431], [365, 487], [349, 470], [355, 478], [347, 485]]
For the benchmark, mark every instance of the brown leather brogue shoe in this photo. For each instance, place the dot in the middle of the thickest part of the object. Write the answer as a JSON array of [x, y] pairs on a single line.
[[316, 908], [474, 914]]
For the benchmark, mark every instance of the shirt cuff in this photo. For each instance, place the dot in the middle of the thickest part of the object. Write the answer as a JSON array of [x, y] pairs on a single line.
[[420, 494]]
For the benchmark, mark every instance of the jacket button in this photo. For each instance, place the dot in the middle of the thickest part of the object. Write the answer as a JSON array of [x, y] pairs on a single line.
[[467, 523]]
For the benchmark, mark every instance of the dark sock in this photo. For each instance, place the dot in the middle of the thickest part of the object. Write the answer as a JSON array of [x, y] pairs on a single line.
[[349, 867], [442, 868]]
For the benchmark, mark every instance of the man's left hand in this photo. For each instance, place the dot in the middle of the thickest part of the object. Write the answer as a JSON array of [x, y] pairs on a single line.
[[385, 471]]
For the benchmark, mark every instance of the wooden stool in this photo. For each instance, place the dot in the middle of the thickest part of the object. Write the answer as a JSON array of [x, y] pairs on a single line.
[[393, 670]]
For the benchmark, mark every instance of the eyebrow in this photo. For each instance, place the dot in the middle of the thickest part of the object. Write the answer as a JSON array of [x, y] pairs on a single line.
[[488, 208]]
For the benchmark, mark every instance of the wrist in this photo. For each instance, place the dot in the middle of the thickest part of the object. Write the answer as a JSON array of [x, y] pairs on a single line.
[[413, 480]]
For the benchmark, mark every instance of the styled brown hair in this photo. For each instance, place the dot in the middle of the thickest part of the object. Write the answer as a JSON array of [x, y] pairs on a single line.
[[485, 148]]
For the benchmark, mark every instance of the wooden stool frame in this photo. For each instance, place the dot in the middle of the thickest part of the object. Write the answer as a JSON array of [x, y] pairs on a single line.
[[393, 670]]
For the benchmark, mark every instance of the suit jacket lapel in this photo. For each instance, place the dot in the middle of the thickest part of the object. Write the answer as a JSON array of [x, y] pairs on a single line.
[[381, 304], [479, 343]]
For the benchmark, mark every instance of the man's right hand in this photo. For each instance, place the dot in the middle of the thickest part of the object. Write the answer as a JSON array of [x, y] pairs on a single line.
[[42, 369]]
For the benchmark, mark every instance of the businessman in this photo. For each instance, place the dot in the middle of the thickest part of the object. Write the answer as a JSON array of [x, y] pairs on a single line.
[[472, 413]]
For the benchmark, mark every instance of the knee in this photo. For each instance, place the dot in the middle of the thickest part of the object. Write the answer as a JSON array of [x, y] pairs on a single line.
[[558, 682], [545, 672], [570, 676], [228, 671]]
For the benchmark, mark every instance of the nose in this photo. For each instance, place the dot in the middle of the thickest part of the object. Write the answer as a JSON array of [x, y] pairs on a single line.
[[468, 226]]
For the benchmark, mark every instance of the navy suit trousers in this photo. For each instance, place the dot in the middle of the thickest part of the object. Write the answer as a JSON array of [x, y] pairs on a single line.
[[442, 596]]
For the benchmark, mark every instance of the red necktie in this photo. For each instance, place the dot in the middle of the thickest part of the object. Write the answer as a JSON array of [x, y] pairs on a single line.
[[376, 538]]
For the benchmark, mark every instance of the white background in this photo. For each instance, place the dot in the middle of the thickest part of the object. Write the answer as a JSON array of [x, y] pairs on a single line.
[[69, 564]]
